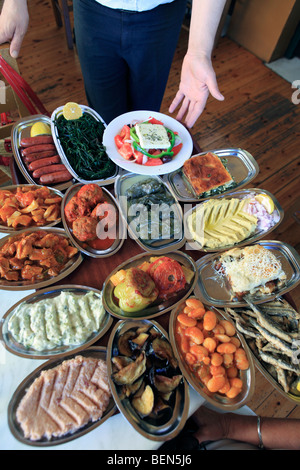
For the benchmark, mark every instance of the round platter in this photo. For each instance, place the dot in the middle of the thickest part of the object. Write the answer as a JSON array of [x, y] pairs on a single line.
[[115, 126]]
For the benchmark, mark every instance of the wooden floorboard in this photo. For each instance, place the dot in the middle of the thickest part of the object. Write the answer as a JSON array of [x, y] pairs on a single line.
[[257, 115]]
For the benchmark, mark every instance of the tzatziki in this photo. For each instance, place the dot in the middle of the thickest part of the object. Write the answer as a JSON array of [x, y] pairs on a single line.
[[67, 319]]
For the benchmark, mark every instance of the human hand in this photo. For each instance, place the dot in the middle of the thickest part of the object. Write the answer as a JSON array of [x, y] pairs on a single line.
[[198, 79], [212, 426], [14, 21]]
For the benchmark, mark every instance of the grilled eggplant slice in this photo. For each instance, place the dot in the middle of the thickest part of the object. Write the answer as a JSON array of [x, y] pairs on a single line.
[[163, 350], [129, 374], [123, 343], [166, 384]]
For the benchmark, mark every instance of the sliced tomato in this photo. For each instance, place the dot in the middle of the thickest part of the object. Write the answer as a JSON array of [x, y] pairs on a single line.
[[138, 156], [126, 151], [118, 141], [176, 149], [125, 132], [152, 120], [154, 162]]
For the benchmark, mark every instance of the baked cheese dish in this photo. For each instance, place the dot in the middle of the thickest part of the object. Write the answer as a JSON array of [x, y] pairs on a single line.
[[251, 270], [206, 173]]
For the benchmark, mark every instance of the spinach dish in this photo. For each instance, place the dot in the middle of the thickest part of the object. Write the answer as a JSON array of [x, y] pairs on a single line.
[[81, 141]]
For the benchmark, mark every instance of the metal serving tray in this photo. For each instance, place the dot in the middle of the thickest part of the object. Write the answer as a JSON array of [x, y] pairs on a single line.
[[20, 130], [265, 368], [70, 266], [158, 246], [94, 351], [216, 399], [83, 247], [240, 163], [6, 229], [19, 350], [156, 430], [158, 307], [211, 287], [257, 235], [56, 113]]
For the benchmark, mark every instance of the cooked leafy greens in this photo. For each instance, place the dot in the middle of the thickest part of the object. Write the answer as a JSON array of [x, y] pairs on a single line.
[[81, 140]]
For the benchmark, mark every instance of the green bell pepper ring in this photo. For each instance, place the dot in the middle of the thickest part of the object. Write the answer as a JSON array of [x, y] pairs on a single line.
[[136, 146], [133, 134]]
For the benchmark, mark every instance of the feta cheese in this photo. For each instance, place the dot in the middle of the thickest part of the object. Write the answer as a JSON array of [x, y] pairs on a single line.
[[152, 136]]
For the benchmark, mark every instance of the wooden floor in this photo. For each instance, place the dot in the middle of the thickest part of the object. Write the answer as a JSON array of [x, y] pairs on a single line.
[[257, 115]]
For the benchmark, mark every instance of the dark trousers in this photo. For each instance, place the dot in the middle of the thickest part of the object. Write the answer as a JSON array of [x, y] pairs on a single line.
[[126, 56]]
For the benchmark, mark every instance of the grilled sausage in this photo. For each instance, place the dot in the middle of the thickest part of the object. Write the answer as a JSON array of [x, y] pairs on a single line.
[[52, 178], [43, 162], [37, 156], [37, 148], [36, 140], [44, 170]]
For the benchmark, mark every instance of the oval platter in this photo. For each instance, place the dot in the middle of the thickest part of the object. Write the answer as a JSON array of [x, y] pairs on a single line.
[[86, 109], [12, 345], [259, 233], [70, 266], [6, 229], [95, 352], [21, 129], [218, 400], [280, 369], [157, 429], [119, 232], [159, 307], [160, 244]]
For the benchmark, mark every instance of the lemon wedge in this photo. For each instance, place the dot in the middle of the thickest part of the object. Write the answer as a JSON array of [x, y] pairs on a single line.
[[266, 201], [72, 111], [40, 128]]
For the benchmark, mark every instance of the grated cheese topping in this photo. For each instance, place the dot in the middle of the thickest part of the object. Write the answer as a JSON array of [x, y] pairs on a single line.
[[250, 268]]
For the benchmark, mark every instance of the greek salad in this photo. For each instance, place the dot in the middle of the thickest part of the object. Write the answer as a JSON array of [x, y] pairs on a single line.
[[148, 142]]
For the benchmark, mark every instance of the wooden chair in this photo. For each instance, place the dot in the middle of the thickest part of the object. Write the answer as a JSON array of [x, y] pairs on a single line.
[[61, 10]]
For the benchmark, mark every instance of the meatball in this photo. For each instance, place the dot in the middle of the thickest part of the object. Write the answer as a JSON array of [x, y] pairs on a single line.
[[76, 207], [84, 228], [92, 193]]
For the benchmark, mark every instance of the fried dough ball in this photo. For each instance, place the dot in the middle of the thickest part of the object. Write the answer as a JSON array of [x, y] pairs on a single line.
[[84, 228]]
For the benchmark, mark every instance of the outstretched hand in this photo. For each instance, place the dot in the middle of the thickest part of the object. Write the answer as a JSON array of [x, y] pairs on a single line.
[[198, 79], [14, 21]]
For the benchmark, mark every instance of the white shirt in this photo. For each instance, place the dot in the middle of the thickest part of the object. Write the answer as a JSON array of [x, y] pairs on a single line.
[[133, 5]]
